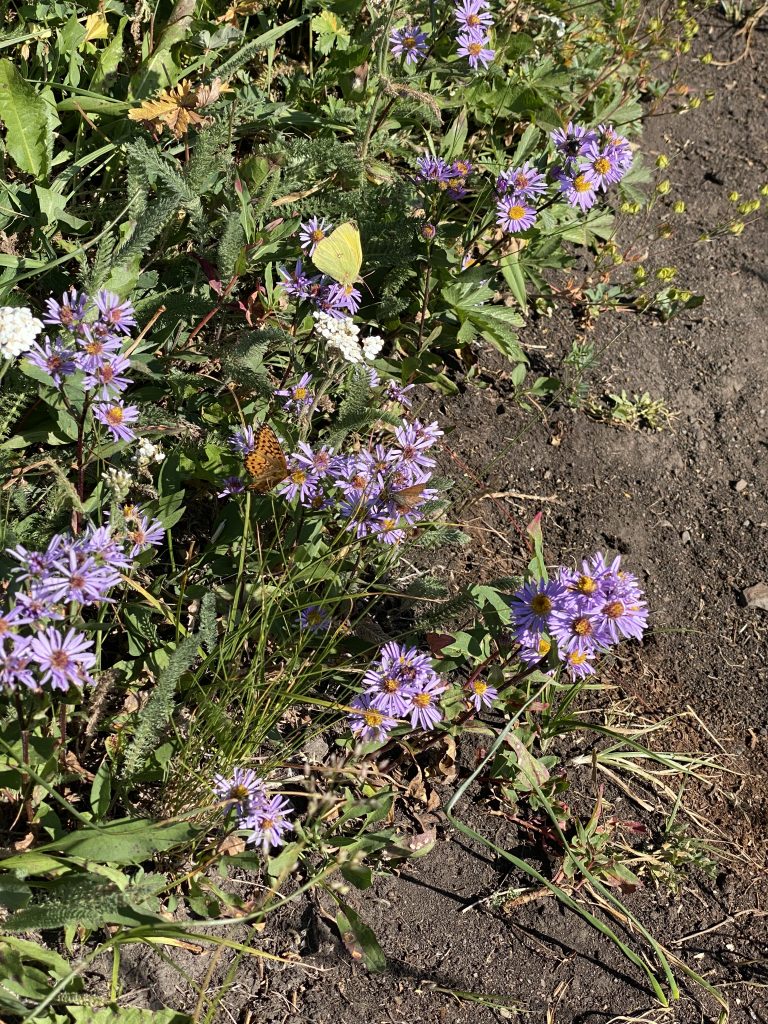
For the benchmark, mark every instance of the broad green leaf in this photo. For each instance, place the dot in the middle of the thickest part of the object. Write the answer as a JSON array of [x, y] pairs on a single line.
[[89, 901], [28, 137], [126, 841], [455, 137], [125, 1015], [330, 32], [349, 922]]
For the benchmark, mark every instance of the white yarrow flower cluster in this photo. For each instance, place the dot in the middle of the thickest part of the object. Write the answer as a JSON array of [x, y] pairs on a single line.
[[146, 453], [342, 333], [118, 481], [18, 330]]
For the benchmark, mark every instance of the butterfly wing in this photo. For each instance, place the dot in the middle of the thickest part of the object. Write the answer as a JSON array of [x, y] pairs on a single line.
[[407, 499], [340, 254], [266, 463]]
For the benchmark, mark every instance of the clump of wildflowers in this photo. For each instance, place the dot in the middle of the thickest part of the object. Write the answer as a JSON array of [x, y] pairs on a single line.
[[264, 815], [581, 613], [47, 586], [474, 20], [400, 684]]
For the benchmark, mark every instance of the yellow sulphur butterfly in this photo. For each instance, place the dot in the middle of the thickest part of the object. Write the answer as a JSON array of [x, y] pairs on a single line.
[[340, 254]]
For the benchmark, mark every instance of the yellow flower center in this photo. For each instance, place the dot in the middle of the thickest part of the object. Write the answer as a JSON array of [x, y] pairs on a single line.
[[614, 610], [317, 235], [422, 700], [373, 718], [516, 212], [300, 393], [581, 184], [602, 165], [238, 792], [479, 687], [577, 657], [541, 604], [115, 416], [298, 476], [475, 49], [390, 685], [544, 647], [409, 42], [582, 626], [586, 585]]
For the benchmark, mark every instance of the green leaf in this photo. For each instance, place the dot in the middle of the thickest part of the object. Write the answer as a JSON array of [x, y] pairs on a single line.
[[14, 894], [349, 922], [455, 137], [515, 278], [101, 789], [125, 841], [29, 139], [330, 32], [125, 1015], [262, 42], [89, 901]]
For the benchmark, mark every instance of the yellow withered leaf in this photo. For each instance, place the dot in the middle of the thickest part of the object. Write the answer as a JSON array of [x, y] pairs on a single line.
[[177, 108]]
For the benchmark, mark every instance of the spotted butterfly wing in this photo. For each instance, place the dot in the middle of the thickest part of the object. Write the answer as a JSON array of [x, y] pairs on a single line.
[[266, 462]]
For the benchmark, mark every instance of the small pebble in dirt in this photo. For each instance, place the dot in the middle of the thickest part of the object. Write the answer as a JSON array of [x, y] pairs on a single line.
[[685, 537], [757, 596], [740, 485]]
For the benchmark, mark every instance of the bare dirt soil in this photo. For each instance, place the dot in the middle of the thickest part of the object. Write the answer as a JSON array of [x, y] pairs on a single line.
[[687, 507]]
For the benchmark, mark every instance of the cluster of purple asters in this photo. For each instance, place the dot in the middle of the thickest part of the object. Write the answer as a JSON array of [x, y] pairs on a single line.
[[264, 815], [451, 179], [592, 160], [400, 684], [581, 613], [72, 572], [325, 294], [474, 20], [377, 492], [89, 340]]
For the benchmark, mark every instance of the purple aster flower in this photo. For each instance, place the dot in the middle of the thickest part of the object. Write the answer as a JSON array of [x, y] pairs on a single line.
[[35, 609], [578, 189], [99, 542], [243, 440], [231, 485], [580, 664], [108, 376], [300, 483], [297, 284], [299, 396], [63, 660], [413, 440], [314, 619], [389, 691], [14, 663], [145, 534], [114, 314], [55, 358], [269, 822], [408, 662], [533, 647], [474, 49], [514, 214], [243, 790], [425, 703], [369, 724], [473, 16], [339, 299], [481, 694], [312, 232], [577, 628], [624, 616], [522, 182], [389, 531], [10, 619], [572, 141], [116, 417], [433, 169], [94, 350], [80, 579], [602, 167], [608, 138], [395, 392], [68, 313], [409, 42], [322, 462], [533, 605], [35, 565]]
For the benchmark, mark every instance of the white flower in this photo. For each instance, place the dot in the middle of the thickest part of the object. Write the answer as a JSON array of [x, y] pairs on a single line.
[[18, 330], [146, 453], [372, 346], [118, 481]]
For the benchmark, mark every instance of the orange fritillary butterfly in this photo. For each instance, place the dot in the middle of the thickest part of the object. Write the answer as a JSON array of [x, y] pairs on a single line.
[[266, 463]]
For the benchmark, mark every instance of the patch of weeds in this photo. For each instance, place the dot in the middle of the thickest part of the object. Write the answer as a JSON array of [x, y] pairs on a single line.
[[635, 412]]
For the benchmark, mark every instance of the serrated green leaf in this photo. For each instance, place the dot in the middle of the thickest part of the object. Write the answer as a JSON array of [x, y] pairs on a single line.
[[28, 137]]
